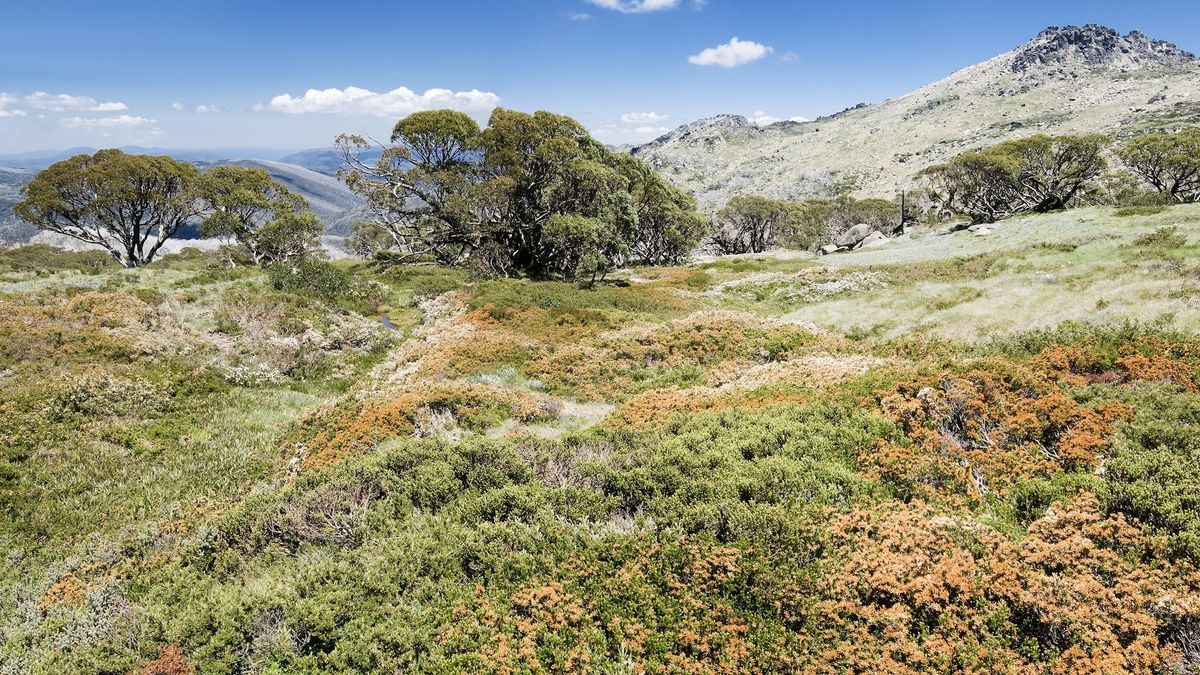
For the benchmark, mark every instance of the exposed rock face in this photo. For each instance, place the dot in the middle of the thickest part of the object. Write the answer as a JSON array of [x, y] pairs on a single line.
[[873, 240], [1086, 79], [1097, 46]]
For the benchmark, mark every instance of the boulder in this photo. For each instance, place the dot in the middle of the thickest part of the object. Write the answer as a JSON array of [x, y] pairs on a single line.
[[983, 231], [873, 240], [830, 248], [852, 236]]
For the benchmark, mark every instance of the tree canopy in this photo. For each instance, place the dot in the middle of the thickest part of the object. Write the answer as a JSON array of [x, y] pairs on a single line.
[[1035, 174], [531, 194], [1168, 162], [128, 204], [265, 220], [751, 224]]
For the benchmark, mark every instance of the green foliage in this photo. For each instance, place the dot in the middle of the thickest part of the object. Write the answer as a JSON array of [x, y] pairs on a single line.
[[750, 224], [1163, 237], [44, 259], [530, 194], [1170, 163], [1139, 211], [1154, 472], [328, 282], [262, 217], [114, 200], [1035, 174]]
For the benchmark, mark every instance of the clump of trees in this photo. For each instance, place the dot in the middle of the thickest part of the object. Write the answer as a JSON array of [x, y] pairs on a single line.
[[1170, 163], [531, 194], [130, 205], [1031, 175], [753, 224], [1044, 173]]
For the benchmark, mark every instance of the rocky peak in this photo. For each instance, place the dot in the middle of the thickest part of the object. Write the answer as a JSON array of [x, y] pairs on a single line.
[[706, 130], [1096, 46]]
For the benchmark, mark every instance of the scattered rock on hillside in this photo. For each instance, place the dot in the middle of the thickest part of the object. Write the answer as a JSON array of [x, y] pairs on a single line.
[[852, 236], [830, 248], [873, 240]]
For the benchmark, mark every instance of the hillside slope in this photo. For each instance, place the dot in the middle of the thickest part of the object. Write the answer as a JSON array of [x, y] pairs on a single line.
[[327, 196], [904, 460], [1066, 80]]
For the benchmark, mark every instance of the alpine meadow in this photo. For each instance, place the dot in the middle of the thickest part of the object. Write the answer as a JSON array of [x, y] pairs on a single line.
[[344, 338]]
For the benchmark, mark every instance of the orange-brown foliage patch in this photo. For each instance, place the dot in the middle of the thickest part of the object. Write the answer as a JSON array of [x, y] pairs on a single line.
[[67, 590], [923, 592], [1149, 359], [171, 661], [981, 431], [343, 433]]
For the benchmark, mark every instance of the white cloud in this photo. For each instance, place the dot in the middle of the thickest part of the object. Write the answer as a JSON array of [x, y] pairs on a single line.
[[7, 100], [202, 109], [643, 117], [62, 102], [652, 130], [579, 16], [636, 6], [762, 119], [732, 53], [788, 57], [113, 121], [177, 106], [402, 101]]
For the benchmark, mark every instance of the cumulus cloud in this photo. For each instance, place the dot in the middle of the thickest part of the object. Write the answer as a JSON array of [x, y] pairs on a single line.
[[7, 100], [579, 16], [202, 109], [126, 121], [788, 57], [762, 119], [636, 6], [732, 53], [643, 117], [177, 106], [63, 102], [651, 130], [402, 101]]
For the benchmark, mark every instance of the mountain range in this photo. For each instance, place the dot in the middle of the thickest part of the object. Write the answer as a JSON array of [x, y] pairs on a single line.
[[1088, 79]]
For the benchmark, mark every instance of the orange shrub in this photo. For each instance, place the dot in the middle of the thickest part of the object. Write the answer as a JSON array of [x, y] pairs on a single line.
[[985, 430], [343, 432], [171, 661]]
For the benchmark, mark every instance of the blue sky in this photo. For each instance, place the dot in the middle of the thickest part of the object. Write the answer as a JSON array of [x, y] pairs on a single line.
[[219, 73]]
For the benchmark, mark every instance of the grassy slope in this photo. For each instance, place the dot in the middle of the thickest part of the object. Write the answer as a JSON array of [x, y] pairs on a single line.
[[697, 470]]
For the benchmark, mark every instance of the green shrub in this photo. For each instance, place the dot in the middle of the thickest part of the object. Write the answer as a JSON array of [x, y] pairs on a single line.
[[1128, 211], [1154, 473], [328, 282], [1163, 237]]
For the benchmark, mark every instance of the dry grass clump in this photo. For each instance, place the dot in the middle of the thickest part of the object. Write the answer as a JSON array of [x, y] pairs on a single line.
[[809, 285]]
